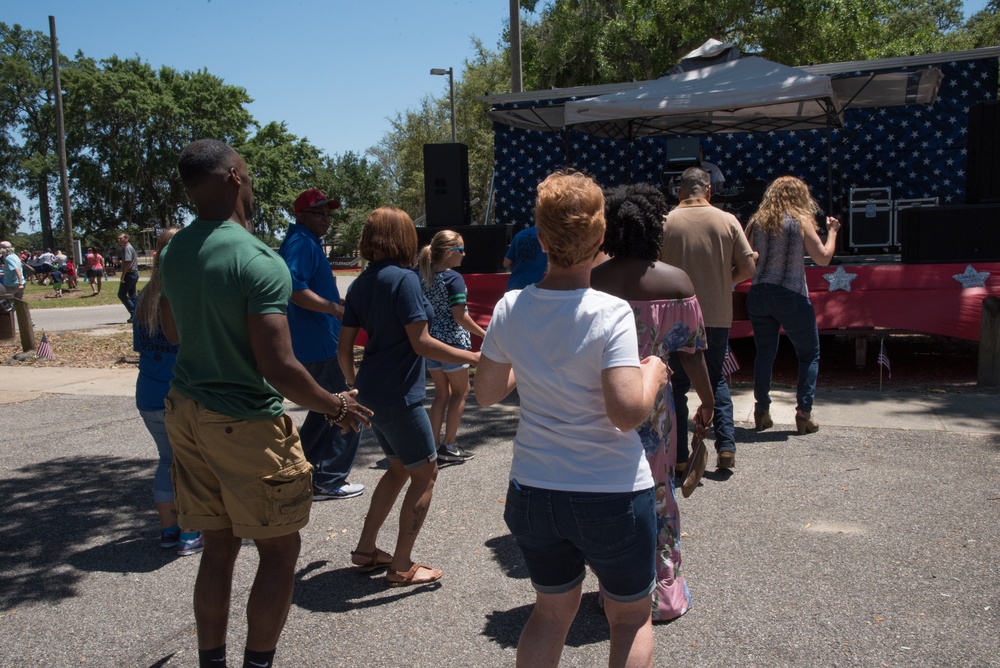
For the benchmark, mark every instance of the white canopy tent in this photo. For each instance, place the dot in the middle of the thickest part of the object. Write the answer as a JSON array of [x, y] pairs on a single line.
[[747, 94]]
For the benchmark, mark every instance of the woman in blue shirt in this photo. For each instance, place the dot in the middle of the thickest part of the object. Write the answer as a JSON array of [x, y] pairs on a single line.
[[156, 370], [387, 302]]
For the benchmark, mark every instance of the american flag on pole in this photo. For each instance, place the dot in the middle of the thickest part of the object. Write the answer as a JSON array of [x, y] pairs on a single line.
[[730, 364], [44, 351], [883, 358]]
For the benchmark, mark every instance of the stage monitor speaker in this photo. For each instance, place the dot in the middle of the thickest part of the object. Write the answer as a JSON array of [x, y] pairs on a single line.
[[485, 246], [982, 170], [945, 234], [446, 184]]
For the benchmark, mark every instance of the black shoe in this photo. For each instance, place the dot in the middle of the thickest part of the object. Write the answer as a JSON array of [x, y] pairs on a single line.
[[129, 321], [453, 455]]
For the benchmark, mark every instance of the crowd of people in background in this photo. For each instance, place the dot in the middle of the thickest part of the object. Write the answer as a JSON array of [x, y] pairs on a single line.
[[59, 270]]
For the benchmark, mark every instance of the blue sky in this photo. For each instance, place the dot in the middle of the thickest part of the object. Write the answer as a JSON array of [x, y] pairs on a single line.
[[334, 71]]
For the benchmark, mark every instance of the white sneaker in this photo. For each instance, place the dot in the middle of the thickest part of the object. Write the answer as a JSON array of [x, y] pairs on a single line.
[[348, 490]]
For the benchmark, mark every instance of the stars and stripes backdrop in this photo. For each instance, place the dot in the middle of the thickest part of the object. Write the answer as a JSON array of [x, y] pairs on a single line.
[[917, 150]]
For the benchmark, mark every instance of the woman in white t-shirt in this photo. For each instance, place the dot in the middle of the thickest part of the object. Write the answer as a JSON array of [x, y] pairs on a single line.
[[580, 488]]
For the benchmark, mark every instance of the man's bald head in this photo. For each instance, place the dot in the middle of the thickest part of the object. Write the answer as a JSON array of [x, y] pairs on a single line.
[[695, 182]]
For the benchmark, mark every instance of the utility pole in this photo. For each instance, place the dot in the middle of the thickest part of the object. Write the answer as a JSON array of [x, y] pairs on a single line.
[[515, 46], [61, 137]]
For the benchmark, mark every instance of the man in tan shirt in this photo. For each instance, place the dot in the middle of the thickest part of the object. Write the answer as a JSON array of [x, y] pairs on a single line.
[[709, 244]]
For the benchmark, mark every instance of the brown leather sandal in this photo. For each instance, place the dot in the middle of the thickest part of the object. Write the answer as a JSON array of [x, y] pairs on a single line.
[[408, 578], [370, 560]]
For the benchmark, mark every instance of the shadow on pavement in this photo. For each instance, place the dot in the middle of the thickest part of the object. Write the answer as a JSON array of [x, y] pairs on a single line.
[[590, 626], [344, 589], [164, 661], [53, 508], [508, 556]]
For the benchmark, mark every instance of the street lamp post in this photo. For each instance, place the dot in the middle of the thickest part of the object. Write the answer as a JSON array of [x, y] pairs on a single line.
[[451, 85]]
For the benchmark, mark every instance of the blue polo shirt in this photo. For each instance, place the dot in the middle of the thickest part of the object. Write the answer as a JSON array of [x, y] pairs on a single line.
[[314, 334], [382, 301]]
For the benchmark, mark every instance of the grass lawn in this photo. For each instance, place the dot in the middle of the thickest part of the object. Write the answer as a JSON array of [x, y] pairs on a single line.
[[43, 296]]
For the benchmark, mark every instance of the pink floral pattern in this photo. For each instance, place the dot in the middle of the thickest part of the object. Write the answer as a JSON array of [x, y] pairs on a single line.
[[667, 326]]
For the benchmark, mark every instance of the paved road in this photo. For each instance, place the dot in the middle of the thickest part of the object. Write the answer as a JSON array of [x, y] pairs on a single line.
[[99, 317], [80, 317], [856, 546], [871, 543]]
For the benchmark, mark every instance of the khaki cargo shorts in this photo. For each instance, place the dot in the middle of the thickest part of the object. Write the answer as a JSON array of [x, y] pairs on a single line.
[[248, 475]]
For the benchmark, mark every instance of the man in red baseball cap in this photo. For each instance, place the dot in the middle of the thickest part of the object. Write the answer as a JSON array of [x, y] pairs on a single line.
[[315, 200], [314, 315]]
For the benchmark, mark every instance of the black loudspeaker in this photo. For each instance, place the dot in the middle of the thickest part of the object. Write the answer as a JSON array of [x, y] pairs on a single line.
[[446, 184], [982, 170], [945, 234], [485, 246]]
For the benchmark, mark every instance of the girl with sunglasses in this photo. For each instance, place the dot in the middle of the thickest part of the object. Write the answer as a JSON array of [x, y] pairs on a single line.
[[451, 323]]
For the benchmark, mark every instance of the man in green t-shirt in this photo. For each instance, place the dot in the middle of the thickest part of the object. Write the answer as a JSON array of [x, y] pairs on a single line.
[[238, 470]]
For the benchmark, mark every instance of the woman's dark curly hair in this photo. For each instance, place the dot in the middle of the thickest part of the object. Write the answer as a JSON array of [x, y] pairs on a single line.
[[634, 215]]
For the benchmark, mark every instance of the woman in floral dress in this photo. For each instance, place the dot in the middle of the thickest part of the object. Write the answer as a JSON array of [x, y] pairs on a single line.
[[668, 318]]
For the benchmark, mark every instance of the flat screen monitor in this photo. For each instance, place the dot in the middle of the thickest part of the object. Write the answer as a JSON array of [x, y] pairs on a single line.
[[683, 150]]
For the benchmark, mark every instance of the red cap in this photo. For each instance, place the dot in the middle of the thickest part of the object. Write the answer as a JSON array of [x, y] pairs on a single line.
[[314, 199]]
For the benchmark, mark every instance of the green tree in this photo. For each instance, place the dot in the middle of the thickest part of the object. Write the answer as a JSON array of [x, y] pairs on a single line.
[[10, 214], [400, 151], [126, 126], [27, 118], [487, 72], [361, 187], [280, 166], [583, 42], [852, 29], [981, 30]]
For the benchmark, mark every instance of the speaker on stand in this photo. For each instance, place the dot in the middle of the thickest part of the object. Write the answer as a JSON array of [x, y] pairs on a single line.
[[446, 185], [982, 170]]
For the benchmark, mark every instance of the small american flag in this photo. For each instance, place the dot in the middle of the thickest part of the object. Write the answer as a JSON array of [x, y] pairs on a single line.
[[44, 351], [730, 364], [883, 358]]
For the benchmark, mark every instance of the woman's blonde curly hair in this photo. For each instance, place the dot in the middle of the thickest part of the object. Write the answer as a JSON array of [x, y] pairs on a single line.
[[786, 195]]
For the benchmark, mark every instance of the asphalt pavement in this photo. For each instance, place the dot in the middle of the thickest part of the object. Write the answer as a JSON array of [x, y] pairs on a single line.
[[871, 543]]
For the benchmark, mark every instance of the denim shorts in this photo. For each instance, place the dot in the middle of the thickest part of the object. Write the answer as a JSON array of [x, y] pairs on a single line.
[[559, 533], [404, 432], [448, 367]]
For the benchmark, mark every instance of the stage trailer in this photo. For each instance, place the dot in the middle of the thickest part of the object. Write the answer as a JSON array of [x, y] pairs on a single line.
[[919, 151]]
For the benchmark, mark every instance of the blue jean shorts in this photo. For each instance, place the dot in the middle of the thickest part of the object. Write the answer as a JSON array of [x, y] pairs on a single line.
[[404, 432], [447, 367], [559, 533]]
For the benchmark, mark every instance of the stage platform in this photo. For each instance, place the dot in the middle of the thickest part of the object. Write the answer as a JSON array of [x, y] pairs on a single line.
[[855, 293]]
